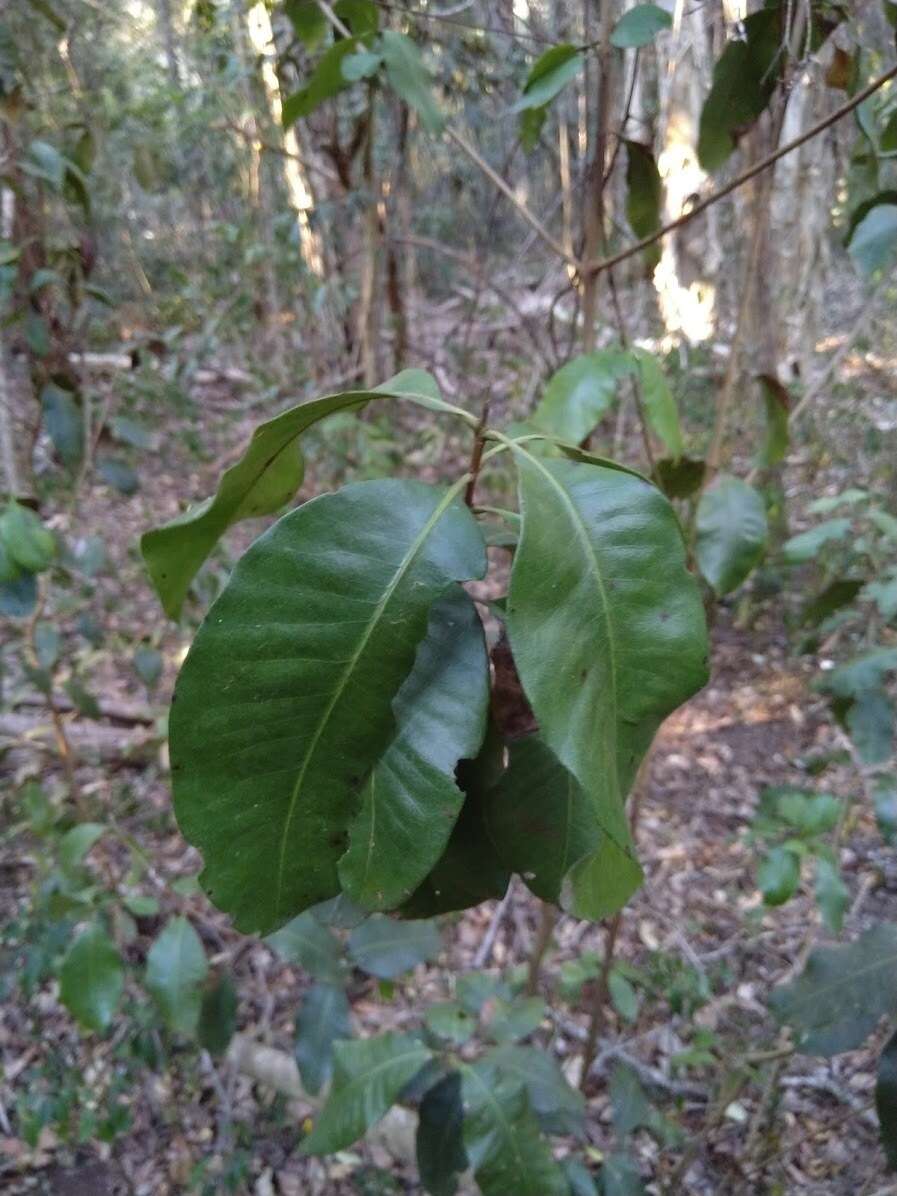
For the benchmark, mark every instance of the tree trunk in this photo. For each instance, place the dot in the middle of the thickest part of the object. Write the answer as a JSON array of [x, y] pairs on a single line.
[[169, 41]]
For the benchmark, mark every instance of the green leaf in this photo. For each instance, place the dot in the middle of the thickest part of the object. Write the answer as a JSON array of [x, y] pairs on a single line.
[[832, 896], [441, 1156], [559, 1109], [44, 161], [776, 403], [450, 1021], [410, 802], [623, 996], [874, 239], [361, 65], [580, 393], [148, 665], [604, 547], [323, 1019], [886, 1100], [884, 595], [862, 674], [744, 80], [18, 598], [410, 79], [26, 540], [620, 1176], [731, 533], [631, 1108], [540, 818], [843, 992], [548, 76], [118, 474], [502, 1137], [579, 1177], [369, 1076], [361, 16], [311, 946], [833, 598], [46, 645], [639, 26], [327, 80], [509, 1021], [260, 483], [884, 799], [809, 813], [176, 967], [77, 842], [217, 1016], [682, 478], [660, 406], [92, 979], [806, 546], [644, 196], [64, 423], [386, 948], [308, 21], [315, 632], [870, 723], [778, 876]]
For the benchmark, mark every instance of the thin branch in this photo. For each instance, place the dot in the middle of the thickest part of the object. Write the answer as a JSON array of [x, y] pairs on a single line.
[[532, 220], [746, 175]]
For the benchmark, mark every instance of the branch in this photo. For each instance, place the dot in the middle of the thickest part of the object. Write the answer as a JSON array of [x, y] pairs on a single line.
[[744, 177]]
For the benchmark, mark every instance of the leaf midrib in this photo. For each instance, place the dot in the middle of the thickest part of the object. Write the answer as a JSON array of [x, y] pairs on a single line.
[[340, 688], [820, 993]]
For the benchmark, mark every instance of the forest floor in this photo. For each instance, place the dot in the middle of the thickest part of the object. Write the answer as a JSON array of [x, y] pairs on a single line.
[[799, 1125]]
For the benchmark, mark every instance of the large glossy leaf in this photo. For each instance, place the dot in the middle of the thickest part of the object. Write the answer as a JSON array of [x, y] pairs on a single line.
[[639, 26], [580, 393], [440, 1140], [744, 80], [284, 704], [540, 818], [732, 532], [176, 967], [842, 993], [387, 948], [368, 1077], [409, 78], [261, 482], [549, 75], [92, 979], [323, 1019], [410, 802], [886, 1100], [608, 635], [502, 1137]]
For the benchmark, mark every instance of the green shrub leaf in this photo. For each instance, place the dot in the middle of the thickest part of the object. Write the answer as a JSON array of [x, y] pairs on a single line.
[[176, 967], [604, 547], [886, 1100], [311, 946], [580, 393], [92, 979], [639, 26], [314, 636], [323, 1019], [441, 1156], [387, 948], [732, 532]]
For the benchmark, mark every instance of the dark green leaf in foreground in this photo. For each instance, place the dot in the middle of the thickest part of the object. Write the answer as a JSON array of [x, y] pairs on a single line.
[[410, 802], [559, 1109], [323, 1019], [604, 547], [92, 979], [682, 478], [440, 1141], [644, 196], [284, 704], [502, 1137], [386, 948], [659, 404], [732, 531], [549, 75], [836, 1003], [176, 967], [265, 478], [778, 876], [886, 1100], [369, 1075]]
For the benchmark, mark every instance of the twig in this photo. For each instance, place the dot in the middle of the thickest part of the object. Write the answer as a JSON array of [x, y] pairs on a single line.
[[548, 921], [631, 250], [484, 951]]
